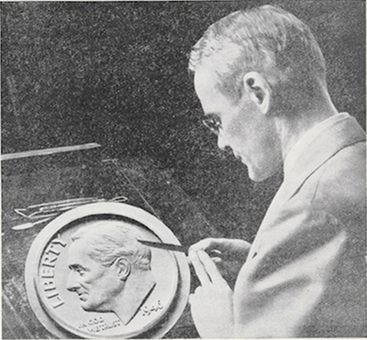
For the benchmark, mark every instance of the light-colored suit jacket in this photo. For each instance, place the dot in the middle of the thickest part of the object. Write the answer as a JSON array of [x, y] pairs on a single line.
[[305, 274]]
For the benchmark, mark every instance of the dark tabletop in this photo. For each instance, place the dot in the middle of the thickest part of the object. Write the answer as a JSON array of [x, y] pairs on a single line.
[[83, 174]]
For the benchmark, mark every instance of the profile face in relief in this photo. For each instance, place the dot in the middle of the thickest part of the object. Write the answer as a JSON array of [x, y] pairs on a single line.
[[109, 270]]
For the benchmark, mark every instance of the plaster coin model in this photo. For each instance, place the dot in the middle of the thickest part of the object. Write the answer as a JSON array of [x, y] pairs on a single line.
[[88, 276]]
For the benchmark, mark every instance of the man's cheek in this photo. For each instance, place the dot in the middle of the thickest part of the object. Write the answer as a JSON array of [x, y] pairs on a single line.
[[234, 129]]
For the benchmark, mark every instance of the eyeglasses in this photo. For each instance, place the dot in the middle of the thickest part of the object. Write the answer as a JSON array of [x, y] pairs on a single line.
[[213, 123]]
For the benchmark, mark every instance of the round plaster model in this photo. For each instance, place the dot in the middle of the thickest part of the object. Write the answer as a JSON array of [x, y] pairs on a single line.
[[88, 276]]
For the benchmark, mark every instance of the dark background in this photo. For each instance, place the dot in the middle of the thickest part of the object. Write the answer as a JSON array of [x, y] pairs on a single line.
[[115, 73]]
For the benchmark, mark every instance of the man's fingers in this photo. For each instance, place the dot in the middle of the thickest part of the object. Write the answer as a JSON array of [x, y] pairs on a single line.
[[217, 259], [210, 267], [192, 299], [201, 245], [209, 244], [198, 290], [199, 268], [215, 252], [195, 297]]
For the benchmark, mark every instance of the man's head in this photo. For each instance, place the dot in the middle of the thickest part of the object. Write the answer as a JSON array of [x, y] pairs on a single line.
[[250, 68], [101, 258]]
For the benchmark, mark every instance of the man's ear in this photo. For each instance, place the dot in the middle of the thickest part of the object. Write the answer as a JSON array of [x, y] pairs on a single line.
[[123, 268], [259, 90]]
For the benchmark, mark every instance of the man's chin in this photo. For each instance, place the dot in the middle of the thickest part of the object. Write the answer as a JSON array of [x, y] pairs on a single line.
[[257, 176], [88, 307], [94, 308]]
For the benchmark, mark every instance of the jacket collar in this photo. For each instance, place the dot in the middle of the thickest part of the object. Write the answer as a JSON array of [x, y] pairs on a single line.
[[338, 135]]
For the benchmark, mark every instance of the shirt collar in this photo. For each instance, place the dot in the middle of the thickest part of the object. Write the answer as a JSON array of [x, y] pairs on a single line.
[[301, 145]]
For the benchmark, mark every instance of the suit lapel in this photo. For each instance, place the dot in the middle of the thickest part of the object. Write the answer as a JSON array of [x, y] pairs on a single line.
[[340, 135]]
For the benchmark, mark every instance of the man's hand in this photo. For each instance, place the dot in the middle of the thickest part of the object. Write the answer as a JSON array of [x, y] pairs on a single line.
[[227, 249], [212, 302], [228, 254]]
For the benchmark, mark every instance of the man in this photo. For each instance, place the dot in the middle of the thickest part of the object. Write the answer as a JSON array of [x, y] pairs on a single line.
[[109, 269], [261, 80]]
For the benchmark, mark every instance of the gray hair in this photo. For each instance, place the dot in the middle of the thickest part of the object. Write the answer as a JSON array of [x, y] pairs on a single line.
[[268, 40], [109, 240]]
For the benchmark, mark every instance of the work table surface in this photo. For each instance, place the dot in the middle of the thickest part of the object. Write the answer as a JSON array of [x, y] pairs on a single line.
[[45, 179]]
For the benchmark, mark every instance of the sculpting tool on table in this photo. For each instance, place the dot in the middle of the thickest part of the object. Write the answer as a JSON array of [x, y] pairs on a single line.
[[46, 211], [29, 225], [49, 151]]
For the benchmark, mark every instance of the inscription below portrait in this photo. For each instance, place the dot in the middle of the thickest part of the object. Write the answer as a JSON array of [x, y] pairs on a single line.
[[97, 325]]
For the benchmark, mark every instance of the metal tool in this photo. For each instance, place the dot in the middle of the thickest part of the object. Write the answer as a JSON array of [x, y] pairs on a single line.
[[29, 225], [41, 213], [215, 254], [49, 209], [63, 202], [166, 246]]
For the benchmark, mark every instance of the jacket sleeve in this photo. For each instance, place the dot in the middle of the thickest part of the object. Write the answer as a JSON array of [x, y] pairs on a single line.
[[292, 263]]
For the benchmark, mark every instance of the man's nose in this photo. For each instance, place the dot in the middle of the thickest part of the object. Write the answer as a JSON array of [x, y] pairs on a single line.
[[72, 283]]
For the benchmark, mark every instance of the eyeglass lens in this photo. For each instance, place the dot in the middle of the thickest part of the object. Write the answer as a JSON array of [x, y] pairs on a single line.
[[213, 123]]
